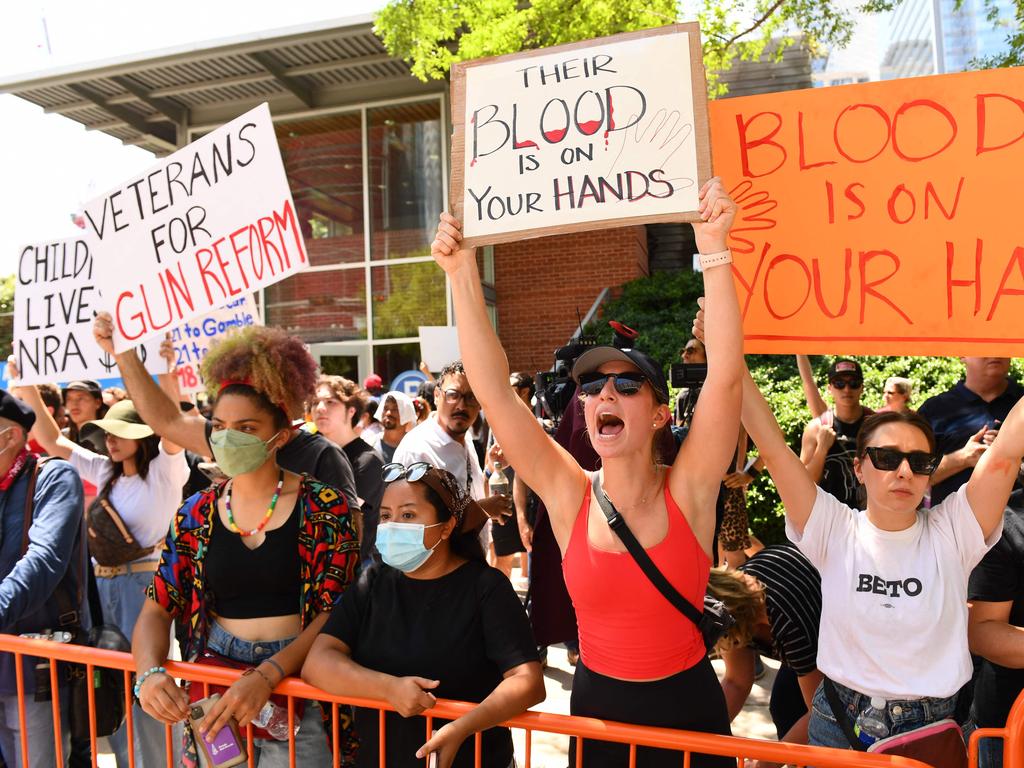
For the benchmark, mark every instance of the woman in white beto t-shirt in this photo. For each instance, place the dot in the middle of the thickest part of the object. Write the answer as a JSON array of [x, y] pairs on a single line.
[[142, 480], [893, 577]]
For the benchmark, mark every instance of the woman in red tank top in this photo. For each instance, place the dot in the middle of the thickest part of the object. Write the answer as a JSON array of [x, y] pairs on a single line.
[[641, 661]]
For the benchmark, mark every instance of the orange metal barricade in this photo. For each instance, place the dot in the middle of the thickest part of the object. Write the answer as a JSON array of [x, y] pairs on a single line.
[[685, 742]]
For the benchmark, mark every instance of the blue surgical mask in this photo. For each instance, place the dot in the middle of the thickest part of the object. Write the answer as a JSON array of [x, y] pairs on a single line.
[[401, 545]]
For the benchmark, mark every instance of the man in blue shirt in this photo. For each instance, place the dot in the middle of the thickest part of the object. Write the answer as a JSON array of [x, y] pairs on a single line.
[[967, 417], [33, 568]]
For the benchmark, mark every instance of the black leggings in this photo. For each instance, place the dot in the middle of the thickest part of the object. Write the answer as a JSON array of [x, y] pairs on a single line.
[[691, 700]]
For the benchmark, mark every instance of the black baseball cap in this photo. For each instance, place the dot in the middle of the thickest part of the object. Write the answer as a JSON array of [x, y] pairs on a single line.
[[15, 410], [844, 367], [622, 349], [84, 385]]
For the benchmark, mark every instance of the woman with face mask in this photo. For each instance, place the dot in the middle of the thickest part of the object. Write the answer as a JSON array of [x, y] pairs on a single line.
[[433, 622], [252, 565], [138, 487]]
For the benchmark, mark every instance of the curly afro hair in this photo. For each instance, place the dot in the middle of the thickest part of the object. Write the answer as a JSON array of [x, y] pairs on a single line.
[[276, 365]]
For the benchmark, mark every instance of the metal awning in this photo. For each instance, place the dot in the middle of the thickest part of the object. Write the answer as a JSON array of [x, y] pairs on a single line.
[[153, 101]]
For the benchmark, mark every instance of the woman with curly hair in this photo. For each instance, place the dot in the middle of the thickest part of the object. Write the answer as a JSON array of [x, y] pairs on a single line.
[[253, 565]]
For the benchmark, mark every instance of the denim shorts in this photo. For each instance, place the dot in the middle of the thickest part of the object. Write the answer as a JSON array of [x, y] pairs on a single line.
[[902, 715]]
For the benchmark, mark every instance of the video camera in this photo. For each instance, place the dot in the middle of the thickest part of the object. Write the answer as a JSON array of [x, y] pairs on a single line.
[[688, 375], [555, 387]]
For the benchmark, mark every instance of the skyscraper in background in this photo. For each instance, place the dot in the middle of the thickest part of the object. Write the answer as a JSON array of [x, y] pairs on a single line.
[[933, 37]]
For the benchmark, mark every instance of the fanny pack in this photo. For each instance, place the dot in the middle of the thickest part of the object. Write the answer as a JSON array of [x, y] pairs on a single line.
[[213, 659], [713, 622], [110, 541], [939, 744]]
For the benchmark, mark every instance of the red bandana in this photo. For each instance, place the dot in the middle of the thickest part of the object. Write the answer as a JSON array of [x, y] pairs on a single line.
[[15, 470]]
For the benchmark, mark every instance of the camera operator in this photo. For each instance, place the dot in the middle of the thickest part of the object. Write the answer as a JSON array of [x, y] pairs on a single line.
[[692, 354]]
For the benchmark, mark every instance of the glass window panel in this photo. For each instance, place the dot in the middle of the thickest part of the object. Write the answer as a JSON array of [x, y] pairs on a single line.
[[404, 143], [323, 158], [406, 296], [320, 306], [389, 360]]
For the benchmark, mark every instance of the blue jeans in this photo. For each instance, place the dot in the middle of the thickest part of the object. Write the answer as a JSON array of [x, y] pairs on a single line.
[[122, 598], [902, 715], [311, 740], [38, 724]]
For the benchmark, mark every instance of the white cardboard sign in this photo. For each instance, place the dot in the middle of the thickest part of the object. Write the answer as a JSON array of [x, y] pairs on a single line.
[[439, 345], [192, 339], [55, 300], [574, 137], [208, 224]]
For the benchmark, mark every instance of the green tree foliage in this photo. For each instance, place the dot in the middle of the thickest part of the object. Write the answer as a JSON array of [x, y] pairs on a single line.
[[6, 314], [662, 307], [431, 35]]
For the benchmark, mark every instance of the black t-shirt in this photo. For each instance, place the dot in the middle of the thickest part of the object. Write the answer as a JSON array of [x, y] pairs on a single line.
[[958, 414], [793, 601], [465, 629], [838, 477], [999, 578], [318, 457], [370, 486]]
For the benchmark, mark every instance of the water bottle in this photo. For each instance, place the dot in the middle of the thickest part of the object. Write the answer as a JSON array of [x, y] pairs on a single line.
[[871, 725], [274, 720], [499, 481]]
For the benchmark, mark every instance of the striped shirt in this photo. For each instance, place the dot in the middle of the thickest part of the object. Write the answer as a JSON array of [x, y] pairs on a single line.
[[793, 601]]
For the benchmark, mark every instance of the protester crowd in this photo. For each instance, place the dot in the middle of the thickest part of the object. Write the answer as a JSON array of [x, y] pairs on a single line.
[[305, 525]]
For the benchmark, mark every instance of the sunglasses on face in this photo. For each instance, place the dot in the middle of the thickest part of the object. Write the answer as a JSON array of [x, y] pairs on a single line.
[[841, 384], [889, 459], [625, 383], [452, 396]]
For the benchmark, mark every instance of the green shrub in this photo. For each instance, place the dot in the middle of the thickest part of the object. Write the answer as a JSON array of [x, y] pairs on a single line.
[[662, 307]]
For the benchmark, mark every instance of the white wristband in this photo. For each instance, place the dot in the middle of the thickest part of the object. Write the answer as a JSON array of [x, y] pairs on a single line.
[[709, 260]]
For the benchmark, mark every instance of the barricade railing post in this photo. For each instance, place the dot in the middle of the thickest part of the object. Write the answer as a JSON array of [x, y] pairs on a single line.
[[58, 737], [478, 740], [528, 745], [1013, 745], [335, 735], [19, 682], [249, 745], [380, 738], [129, 715], [291, 732], [90, 676]]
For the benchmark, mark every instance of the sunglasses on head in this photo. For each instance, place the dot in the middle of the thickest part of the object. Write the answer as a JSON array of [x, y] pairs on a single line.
[[626, 383], [844, 383], [888, 459], [420, 471]]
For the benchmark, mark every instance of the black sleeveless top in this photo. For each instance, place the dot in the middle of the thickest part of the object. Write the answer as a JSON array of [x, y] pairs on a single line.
[[254, 583], [838, 477]]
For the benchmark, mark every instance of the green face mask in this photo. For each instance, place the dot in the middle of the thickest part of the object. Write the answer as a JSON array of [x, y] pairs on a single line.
[[238, 452]]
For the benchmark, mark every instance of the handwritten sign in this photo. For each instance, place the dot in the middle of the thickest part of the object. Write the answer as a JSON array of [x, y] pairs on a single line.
[[55, 299], [192, 340], [210, 223], [589, 135], [880, 218]]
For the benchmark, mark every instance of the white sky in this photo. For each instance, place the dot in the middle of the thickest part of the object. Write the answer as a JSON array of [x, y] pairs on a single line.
[[50, 165]]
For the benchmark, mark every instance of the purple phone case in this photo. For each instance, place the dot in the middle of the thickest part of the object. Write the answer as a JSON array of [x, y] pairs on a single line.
[[224, 746]]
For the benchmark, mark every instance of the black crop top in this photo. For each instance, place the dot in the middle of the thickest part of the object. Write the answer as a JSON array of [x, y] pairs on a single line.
[[254, 583]]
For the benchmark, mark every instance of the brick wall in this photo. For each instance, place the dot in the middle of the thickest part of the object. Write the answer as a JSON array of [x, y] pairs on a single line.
[[540, 284]]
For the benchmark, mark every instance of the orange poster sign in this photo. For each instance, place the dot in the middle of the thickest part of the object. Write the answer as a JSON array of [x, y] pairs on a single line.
[[883, 218]]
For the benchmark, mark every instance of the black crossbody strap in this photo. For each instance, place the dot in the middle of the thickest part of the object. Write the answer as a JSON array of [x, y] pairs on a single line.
[[656, 577], [841, 715]]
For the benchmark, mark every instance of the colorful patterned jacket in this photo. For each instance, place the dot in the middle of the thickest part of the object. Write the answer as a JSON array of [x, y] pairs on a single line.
[[328, 559]]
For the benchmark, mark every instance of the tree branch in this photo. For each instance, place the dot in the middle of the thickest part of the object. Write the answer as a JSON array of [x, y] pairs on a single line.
[[764, 17]]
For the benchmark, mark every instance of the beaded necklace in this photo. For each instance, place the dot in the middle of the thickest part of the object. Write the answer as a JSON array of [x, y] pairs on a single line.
[[266, 518]]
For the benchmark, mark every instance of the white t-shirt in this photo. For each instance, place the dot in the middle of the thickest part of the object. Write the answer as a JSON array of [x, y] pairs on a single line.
[[147, 506], [430, 443], [894, 603]]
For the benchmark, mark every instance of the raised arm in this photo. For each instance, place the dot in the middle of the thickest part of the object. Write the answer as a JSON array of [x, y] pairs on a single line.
[[992, 479], [795, 486], [161, 413], [711, 442], [544, 465], [815, 401]]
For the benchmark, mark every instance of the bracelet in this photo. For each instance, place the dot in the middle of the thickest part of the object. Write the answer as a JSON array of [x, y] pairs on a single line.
[[252, 670], [276, 666], [139, 680], [709, 260]]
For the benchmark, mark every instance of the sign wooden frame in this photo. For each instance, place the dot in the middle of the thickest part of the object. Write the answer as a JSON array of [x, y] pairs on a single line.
[[702, 134]]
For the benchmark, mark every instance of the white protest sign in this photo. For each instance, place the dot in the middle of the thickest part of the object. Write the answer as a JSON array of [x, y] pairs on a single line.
[[55, 299], [589, 135], [208, 224], [439, 345], [192, 339]]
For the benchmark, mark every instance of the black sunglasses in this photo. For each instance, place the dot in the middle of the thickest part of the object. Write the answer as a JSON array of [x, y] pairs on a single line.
[[625, 383], [844, 383], [888, 459]]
